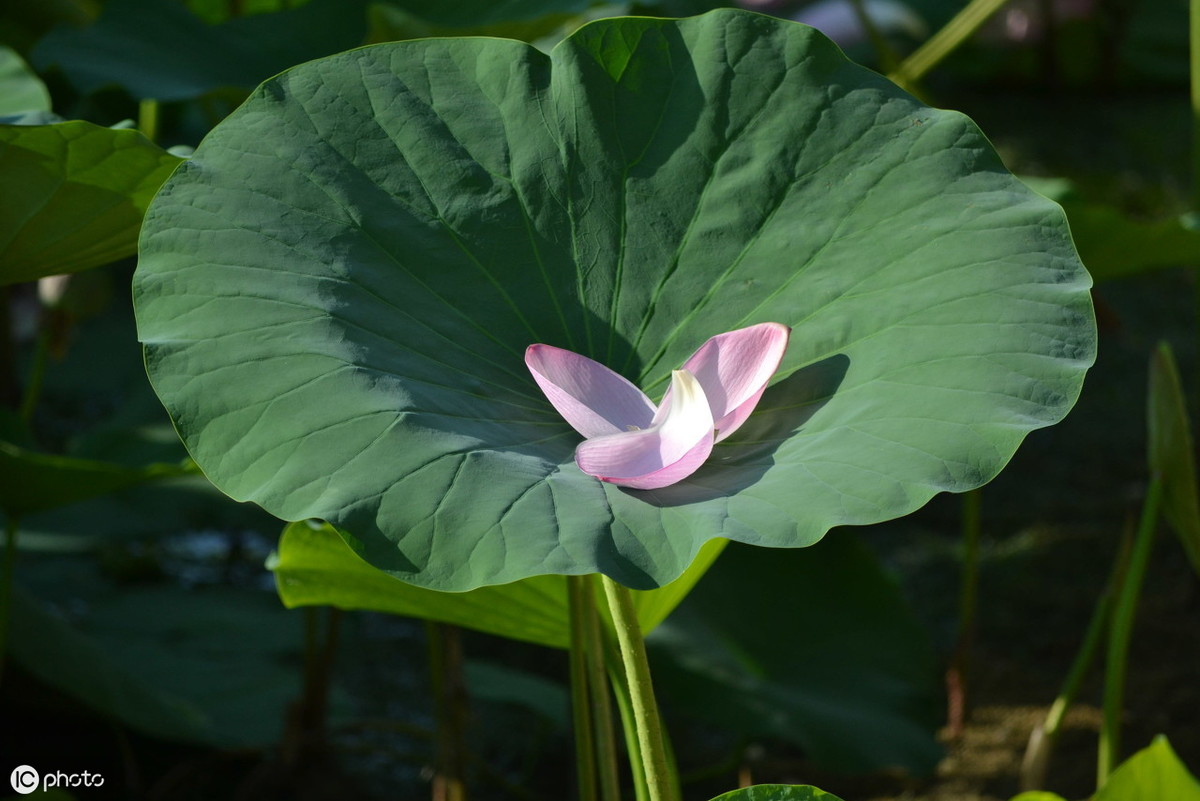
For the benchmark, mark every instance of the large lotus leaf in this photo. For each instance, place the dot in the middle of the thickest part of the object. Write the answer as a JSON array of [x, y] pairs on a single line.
[[72, 196], [163, 51], [313, 566], [336, 293]]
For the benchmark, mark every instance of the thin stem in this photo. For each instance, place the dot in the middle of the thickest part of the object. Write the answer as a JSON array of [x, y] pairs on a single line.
[[1122, 630], [1043, 738], [888, 59], [602, 721], [306, 727], [585, 752], [11, 524], [10, 394], [944, 42], [641, 691], [333, 626], [957, 675], [33, 388], [449, 694]]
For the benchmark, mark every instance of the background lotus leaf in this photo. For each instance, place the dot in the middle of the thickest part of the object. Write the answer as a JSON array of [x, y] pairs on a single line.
[[20, 88], [313, 566], [72, 196], [190, 56]]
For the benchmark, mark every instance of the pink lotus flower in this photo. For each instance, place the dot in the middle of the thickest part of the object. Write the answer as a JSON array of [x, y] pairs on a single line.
[[631, 442]]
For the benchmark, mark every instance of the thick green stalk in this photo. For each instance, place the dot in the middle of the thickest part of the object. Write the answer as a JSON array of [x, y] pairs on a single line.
[[944, 42], [641, 691], [602, 721], [968, 602], [305, 732], [585, 752], [449, 694], [616, 674], [1122, 630]]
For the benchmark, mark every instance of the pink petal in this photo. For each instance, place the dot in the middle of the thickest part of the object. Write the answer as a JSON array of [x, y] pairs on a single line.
[[734, 369], [592, 398], [670, 450]]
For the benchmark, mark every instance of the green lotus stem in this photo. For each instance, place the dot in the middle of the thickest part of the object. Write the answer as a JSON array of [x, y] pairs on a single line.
[[616, 673], [1043, 738], [11, 524], [641, 691], [148, 119], [581, 711], [1121, 630], [968, 604], [602, 722], [944, 42], [306, 727]]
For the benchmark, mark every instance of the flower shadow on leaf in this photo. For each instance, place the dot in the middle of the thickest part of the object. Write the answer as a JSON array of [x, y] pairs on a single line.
[[742, 460]]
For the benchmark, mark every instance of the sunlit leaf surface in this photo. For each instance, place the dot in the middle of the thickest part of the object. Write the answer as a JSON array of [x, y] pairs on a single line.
[[1151, 774], [335, 293]]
